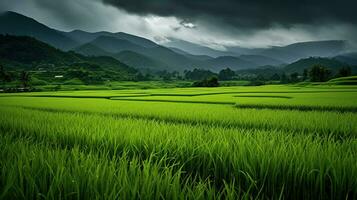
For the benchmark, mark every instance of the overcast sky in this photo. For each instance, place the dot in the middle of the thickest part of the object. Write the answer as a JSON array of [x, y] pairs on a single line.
[[215, 23]]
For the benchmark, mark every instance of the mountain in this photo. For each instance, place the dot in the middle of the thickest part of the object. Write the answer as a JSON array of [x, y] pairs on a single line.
[[166, 58], [307, 63], [266, 72], [85, 37], [195, 49], [91, 50], [260, 60], [179, 56], [135, 39], [26, 51], [198, 57], [349, 58], [139, 61], [172, 59], [243, 51], [22, 52], [122, 50], [113, 45], [160, 57], [15, 24], [179, 51], [159, 54], [266, 56], [195, 57], [234, 63], [294, 52]]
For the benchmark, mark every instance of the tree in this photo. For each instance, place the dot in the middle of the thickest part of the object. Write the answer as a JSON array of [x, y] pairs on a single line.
[[284, 78], [148, 76], [210, 82], [25, 79], [57, 87], [260, 78], [305, 75], [294, 77], [213, 82], [344, 71], [275, 77], [165, 75], [198, 74], [2, 74], [319, 73], [139, 77], [226, 74], [5, 76], [2, 71]]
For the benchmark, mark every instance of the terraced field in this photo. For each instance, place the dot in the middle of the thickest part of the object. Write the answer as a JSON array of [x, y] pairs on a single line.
[[268, 142], [350, 80]]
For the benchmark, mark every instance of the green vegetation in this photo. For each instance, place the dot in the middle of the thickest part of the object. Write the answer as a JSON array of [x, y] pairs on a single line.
[[332, 64], [130, 119], [210, 82], [20, 55], [350, 80], [188, 143], [27, 64]]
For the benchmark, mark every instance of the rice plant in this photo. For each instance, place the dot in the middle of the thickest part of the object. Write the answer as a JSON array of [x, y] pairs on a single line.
[[93, 148]]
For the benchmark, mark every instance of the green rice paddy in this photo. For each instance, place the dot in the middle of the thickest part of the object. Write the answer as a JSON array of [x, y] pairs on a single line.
[[266, 142]]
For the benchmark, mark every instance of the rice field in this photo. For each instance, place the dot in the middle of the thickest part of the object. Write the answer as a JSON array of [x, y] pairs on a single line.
[[266, 142]]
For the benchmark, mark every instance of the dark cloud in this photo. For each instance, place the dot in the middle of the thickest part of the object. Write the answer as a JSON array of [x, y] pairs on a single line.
[[187, 24], [177, 28], [247, 13], [215, 23]]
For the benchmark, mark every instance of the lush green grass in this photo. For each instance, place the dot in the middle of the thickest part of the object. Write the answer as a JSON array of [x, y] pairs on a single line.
[[351, 80], [56, 146]]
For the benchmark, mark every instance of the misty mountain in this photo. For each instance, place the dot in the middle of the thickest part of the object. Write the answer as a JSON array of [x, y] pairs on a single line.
[[15, 24], [171, 58], [113, 45], [140, 62], [267, 56], [179, 51], [157, 54], [234, 63], [180, 56], [91, 50], [159, 57], [23, 52], [128, 57], [266, 72], [243, 51], [294, 52], [85, 37], [349, 58], [299, 66], [260, 60], [196, 49], [195, 57], [165, 58]]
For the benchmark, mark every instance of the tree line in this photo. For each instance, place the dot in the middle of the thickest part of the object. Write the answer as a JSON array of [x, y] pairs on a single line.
[[23, 78], [200, 77], [317, 73]]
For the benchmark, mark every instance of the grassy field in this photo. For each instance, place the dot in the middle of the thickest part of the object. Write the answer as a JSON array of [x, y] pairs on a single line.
[[266, 142]]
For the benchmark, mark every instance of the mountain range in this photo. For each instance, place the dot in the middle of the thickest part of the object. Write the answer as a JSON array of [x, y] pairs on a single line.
[[16, 24], [30, 54], [175, 55]]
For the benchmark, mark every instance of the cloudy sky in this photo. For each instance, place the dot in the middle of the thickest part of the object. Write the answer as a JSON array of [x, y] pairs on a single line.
[[215, 23]]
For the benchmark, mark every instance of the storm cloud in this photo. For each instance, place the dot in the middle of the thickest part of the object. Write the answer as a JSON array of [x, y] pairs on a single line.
[[214, 23], [247, 13]]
